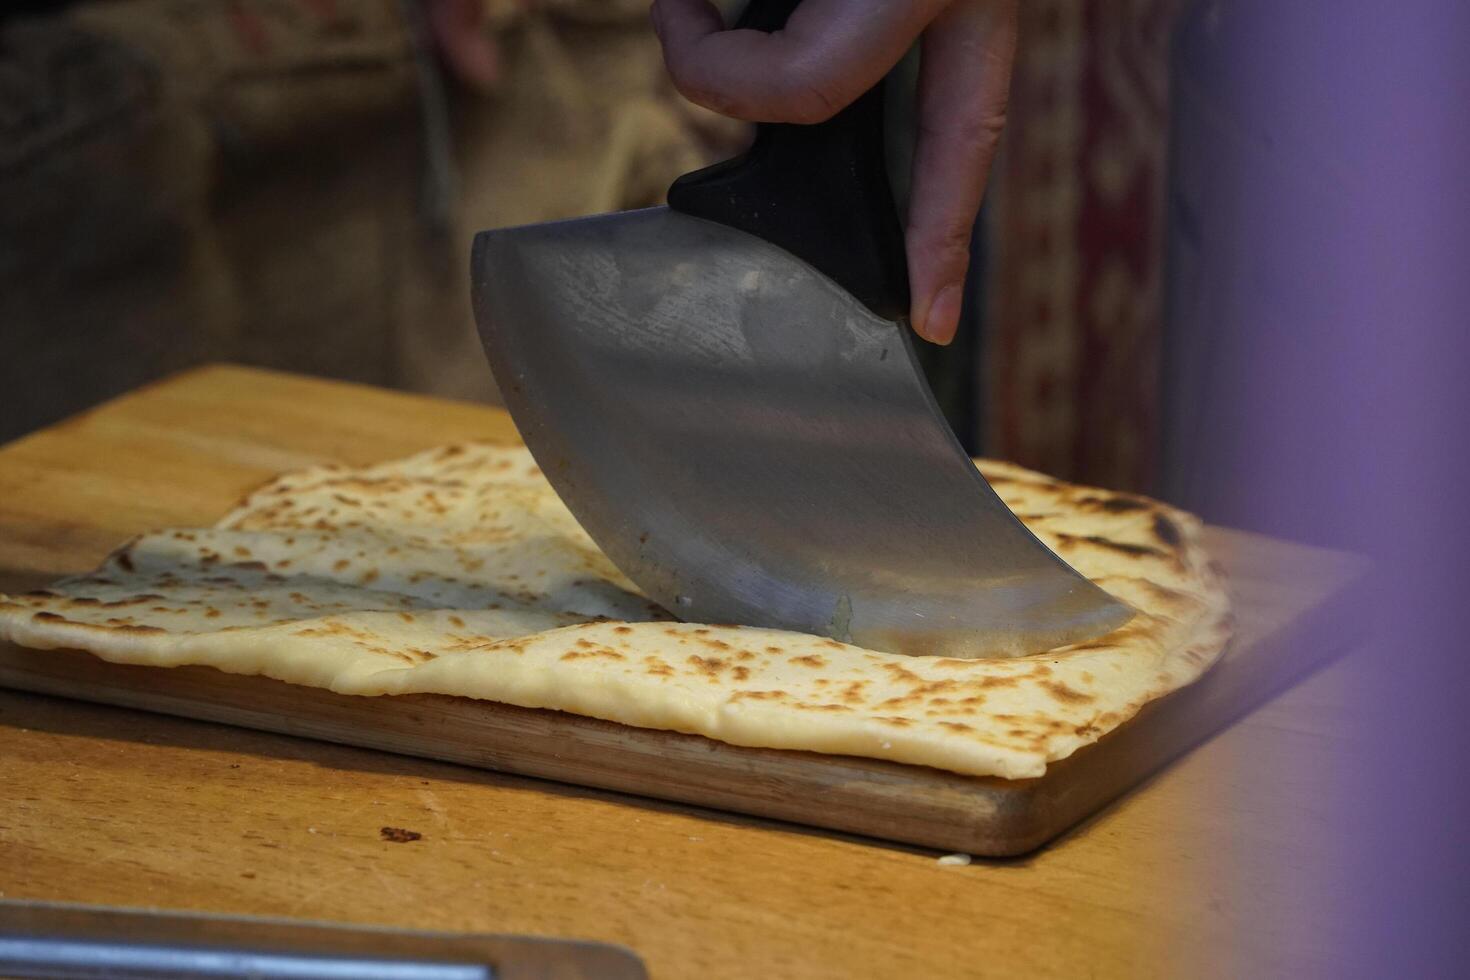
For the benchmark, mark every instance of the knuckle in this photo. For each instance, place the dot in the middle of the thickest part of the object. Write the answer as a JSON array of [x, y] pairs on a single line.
[[976, 134], [946, 244]]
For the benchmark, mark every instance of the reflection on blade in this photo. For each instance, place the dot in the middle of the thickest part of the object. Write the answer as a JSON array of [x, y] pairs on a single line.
[[751, 445]]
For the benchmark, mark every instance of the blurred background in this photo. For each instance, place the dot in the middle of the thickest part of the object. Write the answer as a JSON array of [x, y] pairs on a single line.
[[294, 184]]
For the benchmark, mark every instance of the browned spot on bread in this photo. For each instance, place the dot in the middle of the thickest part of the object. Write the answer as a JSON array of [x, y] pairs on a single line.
[[370, 576], [49, 617], [1141, 550], [212, 613], [1167, 596], [956, 726], [898, 672], [717, 644], [455, 620], [758, 695], [1066, 542], [406, 617], [1167, 531], [622, 629], [823, 707], [741, 673], [241, 552], [810, 660], [1118, 504], [340, 564], [1000, 680], [1066, 694], [773, 649], [121, 626], [897, 721], [708, 666], [598, 652]]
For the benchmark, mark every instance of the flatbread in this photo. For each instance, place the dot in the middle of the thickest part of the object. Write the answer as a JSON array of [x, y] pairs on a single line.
[[458, 571]]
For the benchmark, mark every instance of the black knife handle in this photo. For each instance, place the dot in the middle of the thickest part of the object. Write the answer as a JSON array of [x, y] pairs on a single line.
[[820, 191]]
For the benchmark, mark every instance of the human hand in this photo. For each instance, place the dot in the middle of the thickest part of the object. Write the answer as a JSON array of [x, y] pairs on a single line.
[[831, 52]]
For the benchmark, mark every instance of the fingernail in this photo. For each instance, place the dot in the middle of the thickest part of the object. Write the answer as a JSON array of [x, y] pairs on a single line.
[[943, 318]]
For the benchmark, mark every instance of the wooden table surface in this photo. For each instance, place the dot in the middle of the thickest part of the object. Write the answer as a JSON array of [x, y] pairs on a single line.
[[1221, 866]]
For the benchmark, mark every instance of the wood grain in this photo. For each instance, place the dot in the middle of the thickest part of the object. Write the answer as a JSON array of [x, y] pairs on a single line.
[[106, 805]]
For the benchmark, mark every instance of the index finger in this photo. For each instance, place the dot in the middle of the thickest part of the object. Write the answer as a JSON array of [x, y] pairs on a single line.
[[829, 53]]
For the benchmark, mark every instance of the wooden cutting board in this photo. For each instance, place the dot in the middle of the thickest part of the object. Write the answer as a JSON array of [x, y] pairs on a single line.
[[183, 451]]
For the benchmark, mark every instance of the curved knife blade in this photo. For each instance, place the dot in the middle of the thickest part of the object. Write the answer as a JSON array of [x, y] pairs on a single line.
[[749, 444]]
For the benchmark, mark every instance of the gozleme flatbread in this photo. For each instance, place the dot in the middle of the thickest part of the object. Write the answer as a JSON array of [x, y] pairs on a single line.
[[458, 571]]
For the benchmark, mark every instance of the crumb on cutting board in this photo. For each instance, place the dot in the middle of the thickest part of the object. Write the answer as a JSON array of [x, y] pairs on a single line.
[[398, 835]]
